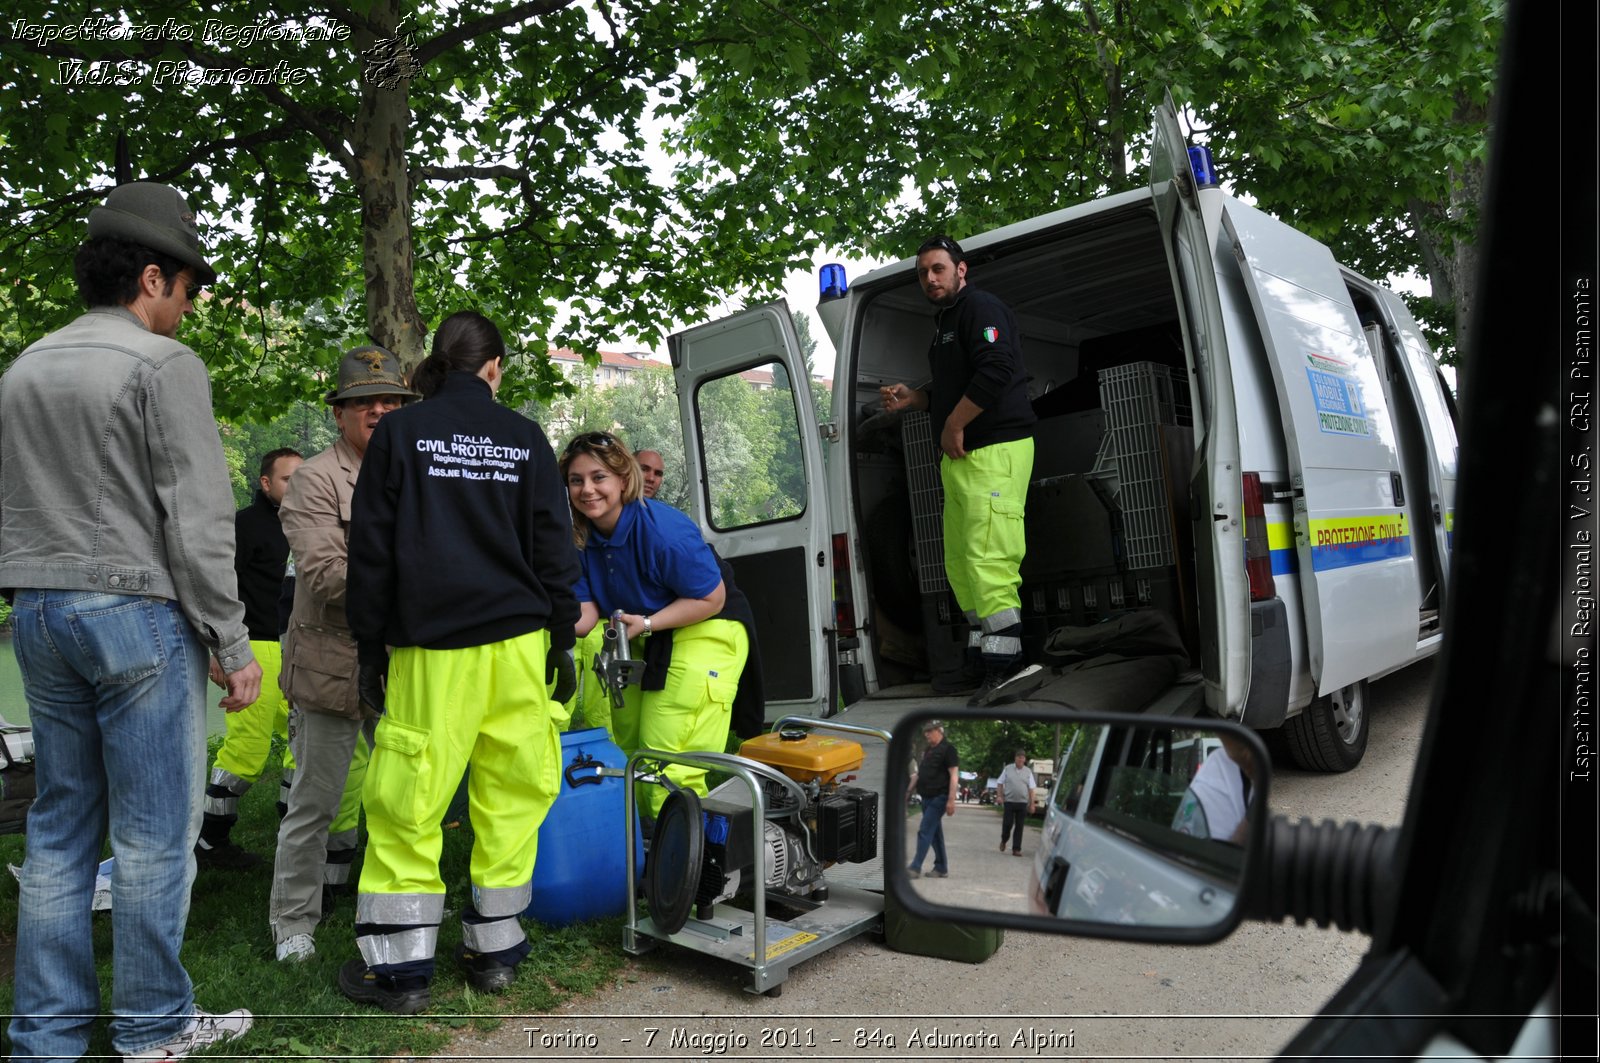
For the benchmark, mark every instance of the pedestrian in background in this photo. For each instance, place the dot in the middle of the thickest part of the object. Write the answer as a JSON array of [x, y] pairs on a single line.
[[1016, 792], [934, 782]]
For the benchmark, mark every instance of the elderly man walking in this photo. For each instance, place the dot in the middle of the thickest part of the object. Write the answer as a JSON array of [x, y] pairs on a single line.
[[116, 548]]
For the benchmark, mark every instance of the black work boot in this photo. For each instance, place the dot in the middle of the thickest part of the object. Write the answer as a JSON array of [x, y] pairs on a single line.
[[1007, 680], [216, 849], [964, 681], [364, 986], [485, 973]]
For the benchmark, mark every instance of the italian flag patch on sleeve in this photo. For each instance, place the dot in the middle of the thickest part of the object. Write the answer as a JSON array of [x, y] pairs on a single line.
[[991, 334]]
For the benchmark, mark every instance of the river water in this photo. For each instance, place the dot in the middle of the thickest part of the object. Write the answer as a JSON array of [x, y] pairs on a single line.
[[14, 707]]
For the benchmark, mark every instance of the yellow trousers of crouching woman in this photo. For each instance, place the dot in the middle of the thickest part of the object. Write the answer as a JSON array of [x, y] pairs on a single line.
[[693, 710], [484, 706]]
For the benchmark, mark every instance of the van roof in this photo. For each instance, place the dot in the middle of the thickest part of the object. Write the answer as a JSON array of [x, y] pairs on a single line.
[[979, 241]]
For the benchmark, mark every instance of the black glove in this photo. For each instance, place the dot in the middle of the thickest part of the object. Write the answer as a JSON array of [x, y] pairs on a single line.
[[560, 674], [372, 673]]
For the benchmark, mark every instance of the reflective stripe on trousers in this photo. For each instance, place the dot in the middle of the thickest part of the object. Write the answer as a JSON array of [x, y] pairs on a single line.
[[410, 923]]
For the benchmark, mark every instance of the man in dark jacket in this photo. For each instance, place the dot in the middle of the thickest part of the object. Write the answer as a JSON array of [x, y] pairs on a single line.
[[978, 404], [260, 555]]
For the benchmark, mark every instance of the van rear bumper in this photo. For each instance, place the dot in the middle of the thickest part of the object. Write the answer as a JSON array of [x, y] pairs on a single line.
[[1267, 704]]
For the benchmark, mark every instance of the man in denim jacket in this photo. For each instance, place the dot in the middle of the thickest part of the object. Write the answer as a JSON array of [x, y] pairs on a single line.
[[116, 542]]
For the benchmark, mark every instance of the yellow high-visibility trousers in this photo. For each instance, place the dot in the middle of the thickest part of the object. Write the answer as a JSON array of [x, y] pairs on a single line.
[[249, 739], [694, 709], [483, 706], [984, 538], [591, 700]]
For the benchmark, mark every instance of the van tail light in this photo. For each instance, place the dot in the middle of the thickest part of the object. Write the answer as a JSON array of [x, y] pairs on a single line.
[[844, 606], [1257, 554]]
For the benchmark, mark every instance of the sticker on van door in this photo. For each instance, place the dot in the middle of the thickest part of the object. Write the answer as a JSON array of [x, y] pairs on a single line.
[[1340, 542], [1337, 395]]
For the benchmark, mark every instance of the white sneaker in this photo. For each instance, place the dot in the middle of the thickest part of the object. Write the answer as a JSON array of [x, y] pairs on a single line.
[[204, 1031], [296, 948]]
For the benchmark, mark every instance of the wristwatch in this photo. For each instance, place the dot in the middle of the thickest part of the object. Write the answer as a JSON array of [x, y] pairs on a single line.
[[647, 625]]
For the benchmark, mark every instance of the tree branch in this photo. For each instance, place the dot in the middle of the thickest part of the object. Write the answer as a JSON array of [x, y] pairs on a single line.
[[467, 31], [309, 120]]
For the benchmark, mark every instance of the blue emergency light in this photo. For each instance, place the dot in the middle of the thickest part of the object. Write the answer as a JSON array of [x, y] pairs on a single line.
[[1205, 170], [831, 280]]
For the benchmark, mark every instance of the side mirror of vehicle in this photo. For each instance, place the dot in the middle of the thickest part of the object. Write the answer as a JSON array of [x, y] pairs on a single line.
[[1152, 831]]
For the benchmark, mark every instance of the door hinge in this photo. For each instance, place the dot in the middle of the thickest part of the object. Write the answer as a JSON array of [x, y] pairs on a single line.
[[829, 431]]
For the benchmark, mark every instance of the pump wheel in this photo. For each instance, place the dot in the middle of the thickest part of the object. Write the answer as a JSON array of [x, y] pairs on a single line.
[[1331, 734]]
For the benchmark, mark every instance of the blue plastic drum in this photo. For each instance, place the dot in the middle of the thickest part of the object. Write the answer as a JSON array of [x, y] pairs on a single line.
[[581, 871]]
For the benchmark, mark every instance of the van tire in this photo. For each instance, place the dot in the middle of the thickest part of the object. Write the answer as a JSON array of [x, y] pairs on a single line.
[[1331, 734]]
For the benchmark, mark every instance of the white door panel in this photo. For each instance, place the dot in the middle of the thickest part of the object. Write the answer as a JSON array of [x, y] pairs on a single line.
[[758, 490], [1352, 538]]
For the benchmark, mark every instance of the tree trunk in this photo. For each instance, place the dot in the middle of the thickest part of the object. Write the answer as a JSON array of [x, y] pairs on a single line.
[[380, 141]]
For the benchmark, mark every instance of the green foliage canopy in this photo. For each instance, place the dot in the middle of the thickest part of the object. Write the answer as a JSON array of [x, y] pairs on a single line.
[[505, 157]]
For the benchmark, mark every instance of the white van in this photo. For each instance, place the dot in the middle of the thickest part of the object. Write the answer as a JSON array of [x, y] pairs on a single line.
[[1234, 431]]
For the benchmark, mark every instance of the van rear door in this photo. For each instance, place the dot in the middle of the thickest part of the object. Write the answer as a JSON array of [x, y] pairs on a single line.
[[1352, 536], [758, 490], [1425, 391], [1215, 486]]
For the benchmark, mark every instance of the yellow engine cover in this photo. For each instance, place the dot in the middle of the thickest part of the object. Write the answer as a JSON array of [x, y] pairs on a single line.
[[812, 756]]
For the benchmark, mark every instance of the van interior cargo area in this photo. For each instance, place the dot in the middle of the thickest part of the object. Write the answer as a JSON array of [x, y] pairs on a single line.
[[1107, 518]]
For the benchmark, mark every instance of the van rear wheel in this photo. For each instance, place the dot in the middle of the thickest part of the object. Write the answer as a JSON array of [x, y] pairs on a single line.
[[1331, 734]]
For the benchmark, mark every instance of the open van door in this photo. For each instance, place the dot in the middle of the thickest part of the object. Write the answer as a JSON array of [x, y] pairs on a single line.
[[758, 490], [1352, 535], [1426, 392], [1216, 488]]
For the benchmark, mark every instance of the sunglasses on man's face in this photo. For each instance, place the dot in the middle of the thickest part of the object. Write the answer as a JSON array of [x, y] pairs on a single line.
[[193, 291]]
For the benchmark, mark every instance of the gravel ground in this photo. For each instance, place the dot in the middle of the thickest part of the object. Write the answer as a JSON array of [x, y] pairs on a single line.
[[1039, 996]]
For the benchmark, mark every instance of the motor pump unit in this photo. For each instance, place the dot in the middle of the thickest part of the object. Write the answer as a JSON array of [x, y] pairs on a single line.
[[834, 823], [777, 865]]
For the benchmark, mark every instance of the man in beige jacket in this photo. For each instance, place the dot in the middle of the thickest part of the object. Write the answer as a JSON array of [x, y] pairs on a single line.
[[328, 732]]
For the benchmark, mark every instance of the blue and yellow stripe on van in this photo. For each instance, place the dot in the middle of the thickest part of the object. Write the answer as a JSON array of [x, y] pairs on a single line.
[[1280, 540], [1341, 542], [1345, 541]]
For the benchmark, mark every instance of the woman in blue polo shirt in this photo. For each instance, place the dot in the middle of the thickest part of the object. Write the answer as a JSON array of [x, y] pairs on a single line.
[[647, 559]]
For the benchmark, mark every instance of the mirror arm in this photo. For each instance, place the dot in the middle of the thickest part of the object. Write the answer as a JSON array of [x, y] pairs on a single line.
[[1330, 874]]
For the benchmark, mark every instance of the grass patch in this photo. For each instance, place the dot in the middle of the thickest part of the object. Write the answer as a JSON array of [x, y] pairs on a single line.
[[299, 1010]]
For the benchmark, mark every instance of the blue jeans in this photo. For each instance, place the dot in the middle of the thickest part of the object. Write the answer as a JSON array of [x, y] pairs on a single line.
[[931, 832], [116, 692]]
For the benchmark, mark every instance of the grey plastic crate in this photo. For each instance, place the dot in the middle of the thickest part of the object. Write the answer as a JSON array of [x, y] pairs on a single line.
[[927, 501], [1138, 398]]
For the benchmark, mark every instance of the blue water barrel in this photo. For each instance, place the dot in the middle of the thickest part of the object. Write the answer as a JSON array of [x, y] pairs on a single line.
[[581, 872]]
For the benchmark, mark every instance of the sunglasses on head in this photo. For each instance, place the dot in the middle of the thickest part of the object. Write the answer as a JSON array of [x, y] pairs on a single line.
[[590, 440]]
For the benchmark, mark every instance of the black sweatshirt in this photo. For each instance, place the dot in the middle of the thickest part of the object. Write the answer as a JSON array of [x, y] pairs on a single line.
[[260, 554], [460, 534], [977, 353]]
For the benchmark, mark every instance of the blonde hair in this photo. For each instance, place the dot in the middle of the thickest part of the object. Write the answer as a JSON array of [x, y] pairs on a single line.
[[614, 454]]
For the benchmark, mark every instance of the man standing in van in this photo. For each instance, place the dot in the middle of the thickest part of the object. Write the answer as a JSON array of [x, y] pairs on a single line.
[[977, 400]]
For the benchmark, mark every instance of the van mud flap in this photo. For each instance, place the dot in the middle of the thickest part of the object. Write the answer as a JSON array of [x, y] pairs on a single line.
[[1268, 701]]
